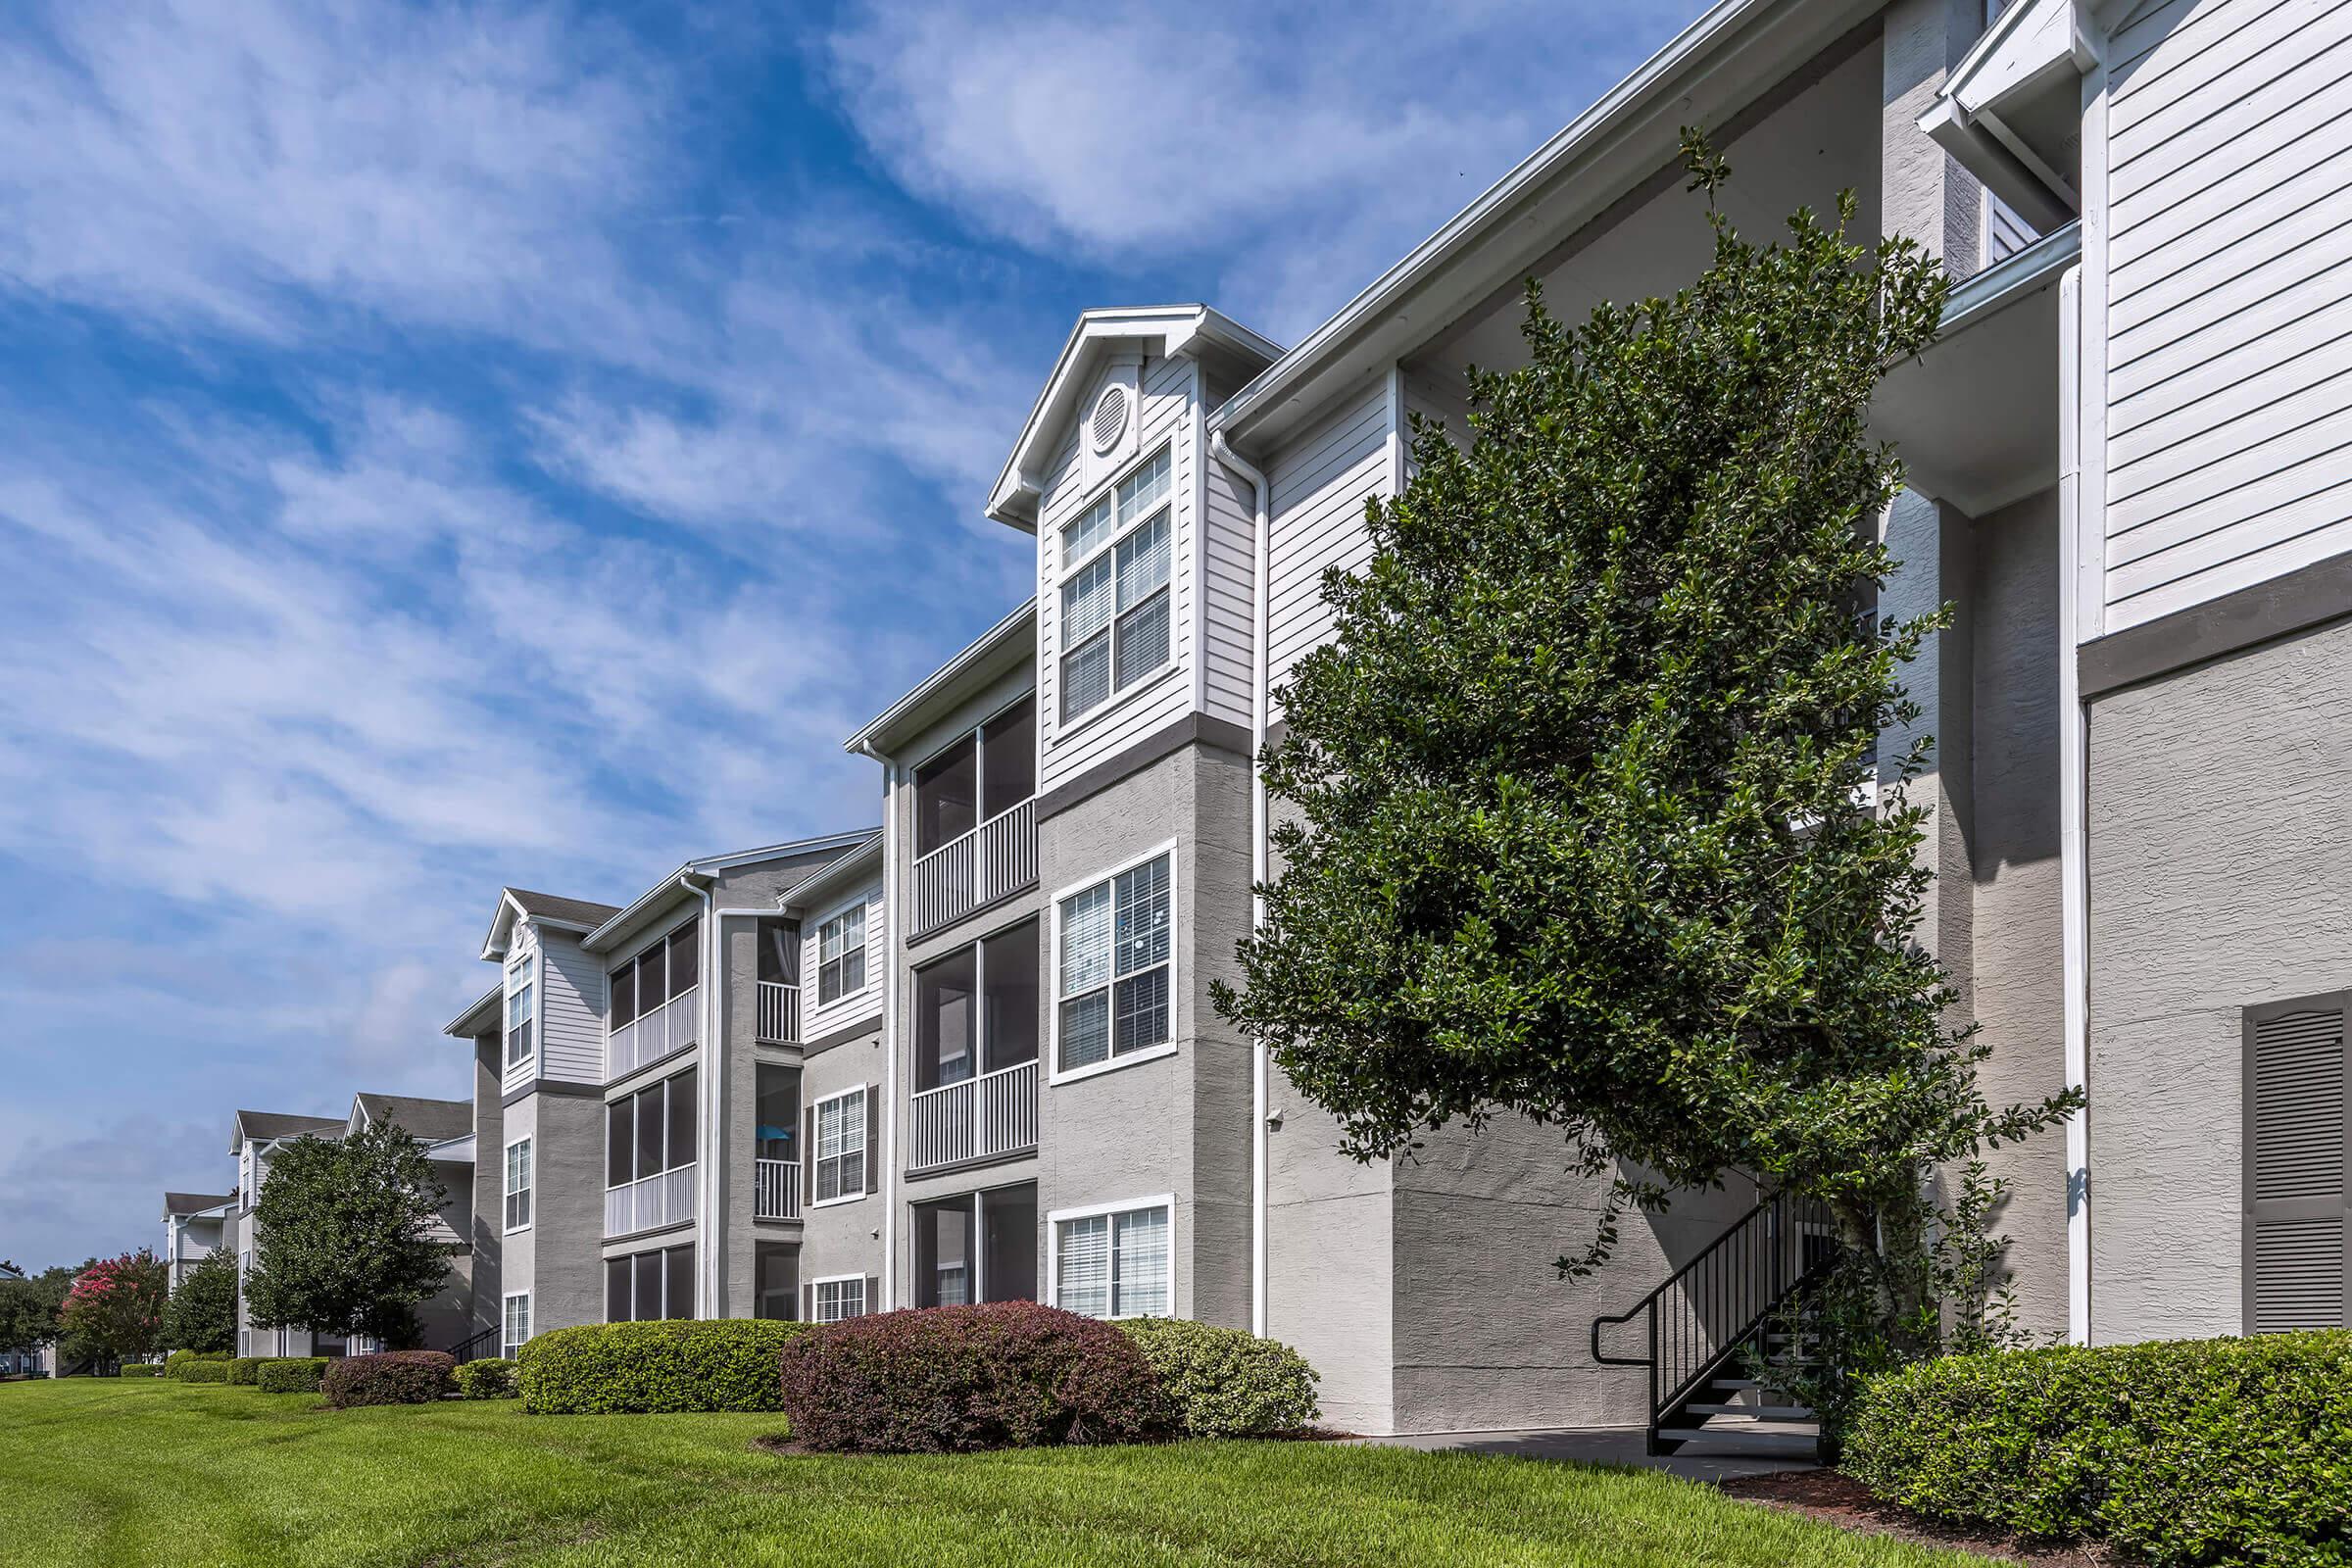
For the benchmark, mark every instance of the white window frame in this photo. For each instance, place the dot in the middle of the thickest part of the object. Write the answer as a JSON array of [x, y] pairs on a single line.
[[1126, 1205], [508, 1343], [528, 962], [817, 1148], [1055, 1073], [860, 907], [816, 1297], [1121, 531], [513, 1191]]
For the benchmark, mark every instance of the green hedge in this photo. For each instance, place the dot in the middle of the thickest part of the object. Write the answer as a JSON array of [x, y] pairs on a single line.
[[200, 1371], [176, 1364], [2192, 1451], [603, 1368], [1225, 1383], [290, 1374], [490, 1378], [242, 1369], [142, 1369]]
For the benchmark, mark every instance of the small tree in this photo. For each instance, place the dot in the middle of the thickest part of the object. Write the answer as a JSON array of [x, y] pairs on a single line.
[[203, 1311], [117, 1303], [1584, 824], [341, 1237], [29, 1305]]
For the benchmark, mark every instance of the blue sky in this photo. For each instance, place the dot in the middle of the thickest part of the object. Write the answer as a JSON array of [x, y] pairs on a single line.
[[456, 446]]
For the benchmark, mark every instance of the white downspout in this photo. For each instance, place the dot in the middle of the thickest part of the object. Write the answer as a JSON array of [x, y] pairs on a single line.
[[1258, 868], [714, 1239], [889, 1025], [2073, 784]]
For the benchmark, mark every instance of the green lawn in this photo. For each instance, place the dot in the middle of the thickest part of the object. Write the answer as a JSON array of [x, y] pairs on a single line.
[[104, 1472]]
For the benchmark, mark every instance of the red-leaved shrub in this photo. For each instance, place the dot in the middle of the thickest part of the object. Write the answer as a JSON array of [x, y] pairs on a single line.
[[391, 1377], [949, 1378]]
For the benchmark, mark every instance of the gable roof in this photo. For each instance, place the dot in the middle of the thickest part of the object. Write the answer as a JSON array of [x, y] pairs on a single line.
[[546, 909], [176, 1204], [857, 864], [653, 901], [267, 1124], [1164, 331], [432, 1120]]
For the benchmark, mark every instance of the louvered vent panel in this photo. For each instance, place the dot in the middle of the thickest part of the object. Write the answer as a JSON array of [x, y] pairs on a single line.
[[2299, 1107], [2299, 1275]]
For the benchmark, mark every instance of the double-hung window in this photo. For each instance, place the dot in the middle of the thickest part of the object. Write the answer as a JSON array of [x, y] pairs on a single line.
[[519, 1010], [515, 1331], [518, 1184], [840, 1146], [1113, 985], [1115, 590], [1114, 1263], [841, 954], [835, 1300]]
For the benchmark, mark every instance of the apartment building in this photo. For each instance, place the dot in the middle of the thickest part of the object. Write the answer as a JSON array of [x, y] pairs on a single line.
[[971, 1055], [196, 1225]]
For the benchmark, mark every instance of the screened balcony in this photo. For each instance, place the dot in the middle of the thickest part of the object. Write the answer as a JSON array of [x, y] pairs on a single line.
[[975, 1053], [975, 821]]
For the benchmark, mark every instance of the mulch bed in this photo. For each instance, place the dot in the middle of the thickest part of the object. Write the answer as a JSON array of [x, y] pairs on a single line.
[[1842, 1501]]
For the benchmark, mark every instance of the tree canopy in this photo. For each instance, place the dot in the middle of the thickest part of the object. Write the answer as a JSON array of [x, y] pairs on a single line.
[[342, 1241], [203, 1311], [1584, 815], [117, 1303], [29, 1307]]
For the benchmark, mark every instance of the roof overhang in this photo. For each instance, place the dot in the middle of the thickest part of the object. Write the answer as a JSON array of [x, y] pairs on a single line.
[[1736, 54], [1000, 648], [510, 910], [692, 878], [480, 1019], [1168, 332], [2011, 112], [857, 866]]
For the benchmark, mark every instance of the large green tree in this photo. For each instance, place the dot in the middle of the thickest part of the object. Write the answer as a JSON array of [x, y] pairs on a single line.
[[1587, 819], [342, 1241], [203, 1311], [117, 1305], [29, 1305]]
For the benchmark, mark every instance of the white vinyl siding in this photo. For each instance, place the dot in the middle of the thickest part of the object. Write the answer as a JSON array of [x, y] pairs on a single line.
[[839, 1148], [1152, 700], [515, 1329], [571, 1011], [1317, 486], [2299, 1187], [1229, 566], [2229, 303], [833, 1301], [825, 1018], [518, 1185], [1115, 1261]]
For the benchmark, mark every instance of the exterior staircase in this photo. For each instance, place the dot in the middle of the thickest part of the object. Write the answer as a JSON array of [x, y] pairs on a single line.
[[1708, 1326]]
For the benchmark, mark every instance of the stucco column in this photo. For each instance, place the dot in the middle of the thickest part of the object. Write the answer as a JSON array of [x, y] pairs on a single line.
[[1935, 544], [1923, 193]]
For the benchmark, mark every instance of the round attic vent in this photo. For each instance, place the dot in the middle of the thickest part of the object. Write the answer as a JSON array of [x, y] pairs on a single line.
[[1111, 417]]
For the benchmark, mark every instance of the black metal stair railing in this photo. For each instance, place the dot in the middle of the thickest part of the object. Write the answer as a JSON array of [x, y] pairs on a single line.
[[472, 1347], [1708, 1311]]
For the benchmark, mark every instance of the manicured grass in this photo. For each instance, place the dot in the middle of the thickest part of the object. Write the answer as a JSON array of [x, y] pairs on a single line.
[[103, 1472]]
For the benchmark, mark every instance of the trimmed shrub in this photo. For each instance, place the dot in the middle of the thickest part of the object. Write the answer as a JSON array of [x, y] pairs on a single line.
[[490, 1378], [202, 1371], [636, 1368], [1224, 1383], [242, 1369], [142, 1369], [388, 1377], [175, 1360], [951, 1379], [291, 1374], [2192, 1451], [176, 1364]]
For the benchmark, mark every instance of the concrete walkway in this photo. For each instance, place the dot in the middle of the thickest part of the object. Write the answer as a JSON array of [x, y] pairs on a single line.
[[1602, 1445]]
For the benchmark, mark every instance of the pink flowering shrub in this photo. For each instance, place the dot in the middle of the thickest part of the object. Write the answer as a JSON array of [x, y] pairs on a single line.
[[117, 1303]]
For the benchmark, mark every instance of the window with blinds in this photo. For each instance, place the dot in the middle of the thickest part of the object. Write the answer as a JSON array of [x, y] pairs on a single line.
[[1115, 1264], [2298, 1192]]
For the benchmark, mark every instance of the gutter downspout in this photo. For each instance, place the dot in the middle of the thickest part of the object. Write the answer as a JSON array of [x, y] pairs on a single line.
[[1258, 869], [890, 1024], [2073, 788], [712, 1224]]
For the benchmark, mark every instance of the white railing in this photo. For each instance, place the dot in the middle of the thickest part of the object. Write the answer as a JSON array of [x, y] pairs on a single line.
[[775, 1189], [995, 1114], [779, 1013], [669, 1028], [997, 857], [665, 1198]]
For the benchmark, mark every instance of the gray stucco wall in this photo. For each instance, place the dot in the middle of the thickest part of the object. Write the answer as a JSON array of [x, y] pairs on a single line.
[[2017, 901], [2220, 873], [560, 1261], [489, 1186], [845, 1238]]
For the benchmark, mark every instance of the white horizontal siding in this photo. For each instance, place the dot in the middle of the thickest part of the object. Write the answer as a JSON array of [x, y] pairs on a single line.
[[858, 1006], [1229, 570], [1165, 419], [572, 1012], [1318, 486], [2229, 301], [2006, 231]]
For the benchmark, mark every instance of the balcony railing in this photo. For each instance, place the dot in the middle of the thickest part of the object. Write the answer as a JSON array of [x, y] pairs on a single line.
[[779, 1013], [992, 860], [665, 1198], [667, 1029], [775, 1189], [979, 1118]]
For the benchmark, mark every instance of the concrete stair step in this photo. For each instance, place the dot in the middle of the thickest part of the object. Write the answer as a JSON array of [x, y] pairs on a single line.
[[1761, 1412]]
